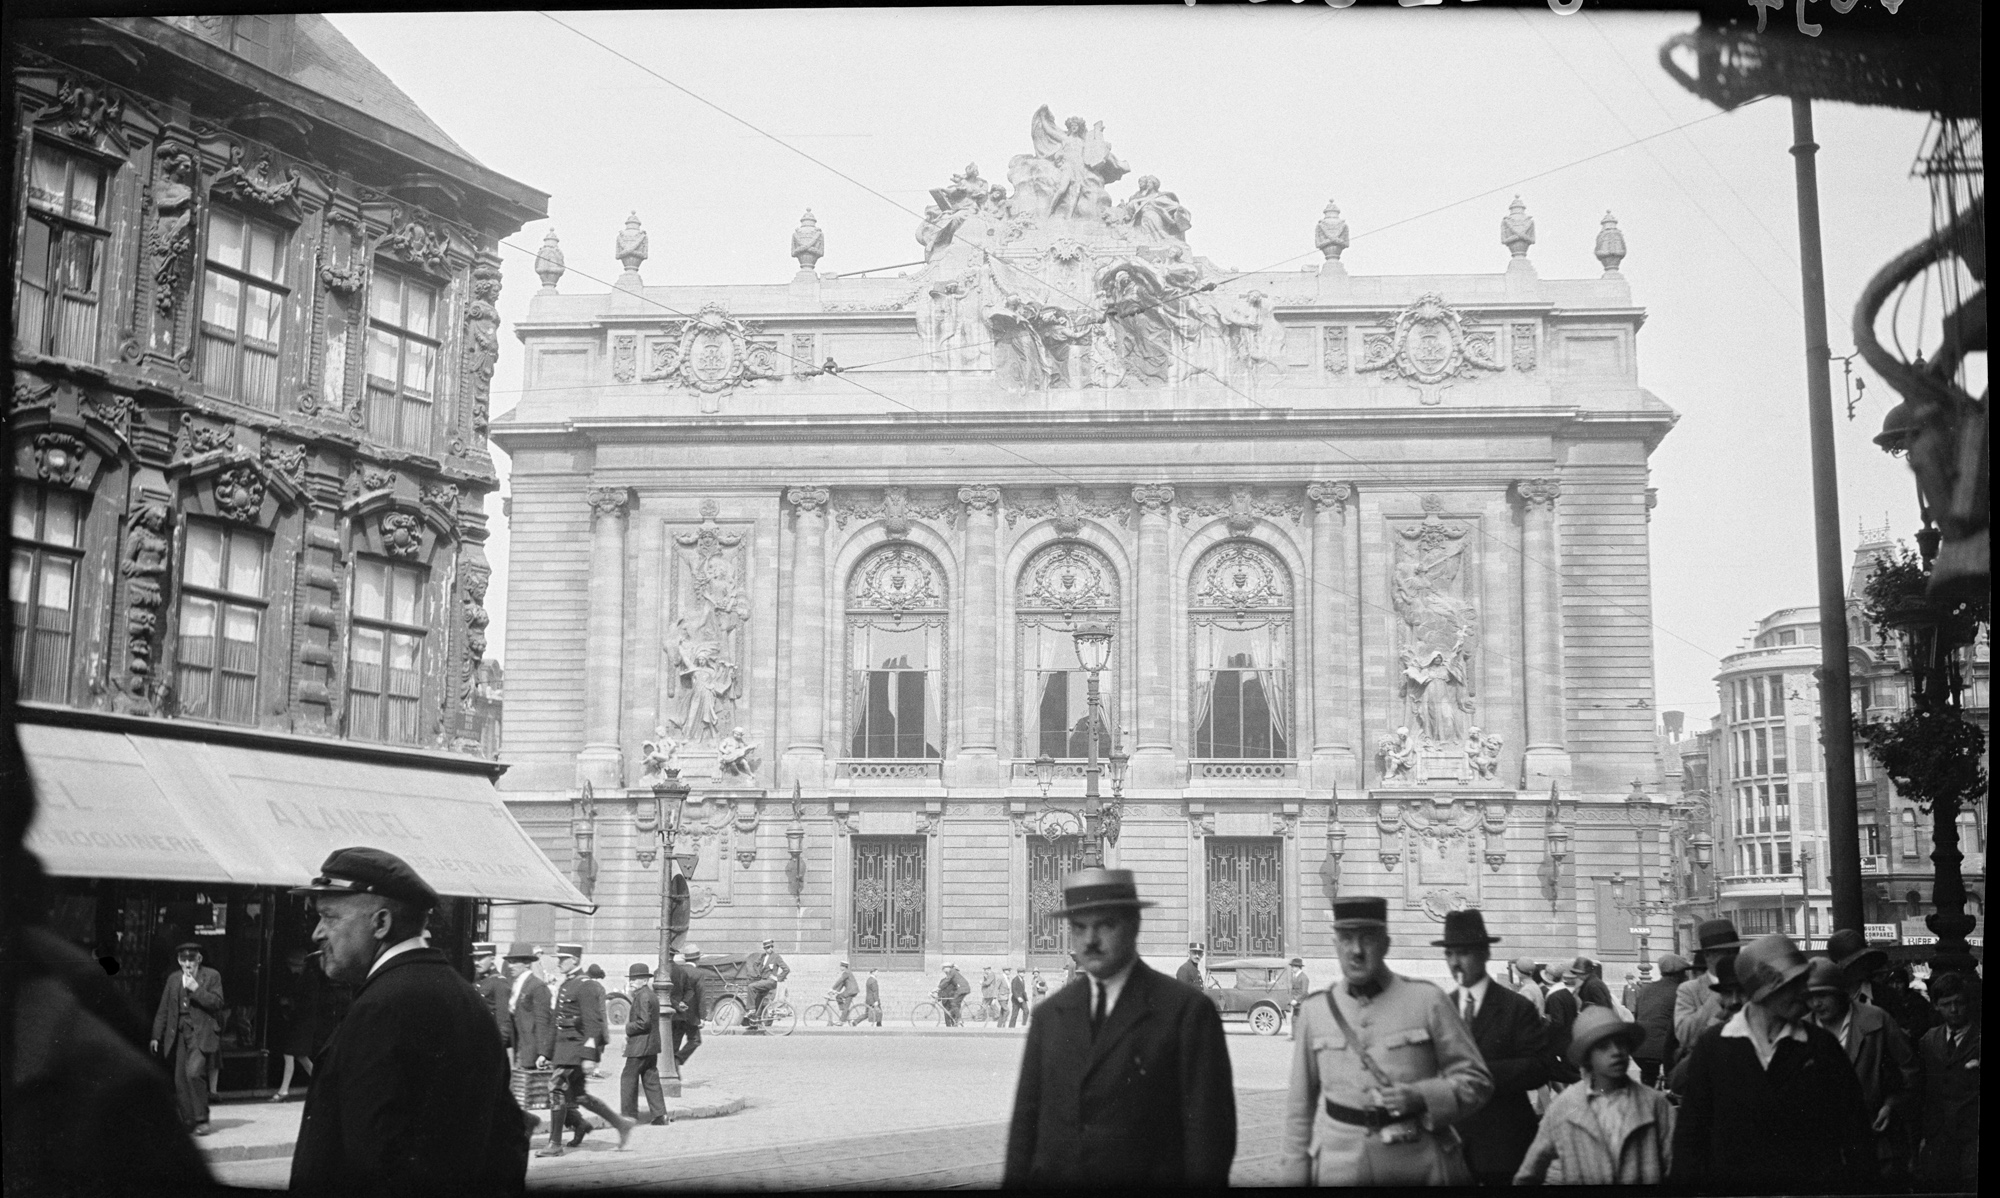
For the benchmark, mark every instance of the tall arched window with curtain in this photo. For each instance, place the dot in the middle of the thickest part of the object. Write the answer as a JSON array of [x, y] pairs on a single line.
[[1064, 585], [896, 625], [1240, 630]]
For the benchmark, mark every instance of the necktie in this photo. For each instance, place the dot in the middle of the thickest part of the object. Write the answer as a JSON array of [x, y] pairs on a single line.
[[1097, 1011], [1468, 1007]]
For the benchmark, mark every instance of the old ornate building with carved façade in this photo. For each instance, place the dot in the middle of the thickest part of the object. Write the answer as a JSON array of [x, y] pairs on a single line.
[[254, 335], [1373, 550]]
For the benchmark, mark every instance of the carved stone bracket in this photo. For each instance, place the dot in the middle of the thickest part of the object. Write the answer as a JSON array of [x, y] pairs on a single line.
[[1285, 823], [843, 818], [1535, 492], [1200, 820], [1389, 823], [1067, 508], [1333, 497], [1496, 833], [608, 501], [896, 509], [1154, 498], [1522, 338], [1334, 353], [979, 498], [806, 500], [931, 819]]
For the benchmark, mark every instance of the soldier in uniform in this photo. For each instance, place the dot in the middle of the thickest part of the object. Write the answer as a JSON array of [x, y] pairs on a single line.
[[768, 968], [579, 1020], [1383, 1069], [687, 1005]]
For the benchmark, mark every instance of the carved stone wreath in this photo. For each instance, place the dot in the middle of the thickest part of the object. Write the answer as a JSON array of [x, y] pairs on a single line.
[[711, 353], [1427, 343], [1436, 903], [1068, 577], [1239, 576], [896, 579], [239, 493], [401, 536]]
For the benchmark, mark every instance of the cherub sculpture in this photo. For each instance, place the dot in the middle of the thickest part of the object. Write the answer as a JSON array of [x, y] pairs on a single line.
[[737, 754], [1397, 755]]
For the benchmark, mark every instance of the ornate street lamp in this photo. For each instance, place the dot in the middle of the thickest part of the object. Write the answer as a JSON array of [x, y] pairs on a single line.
[[670, 794], [583, 831], [1093, 651], [1045, 773]]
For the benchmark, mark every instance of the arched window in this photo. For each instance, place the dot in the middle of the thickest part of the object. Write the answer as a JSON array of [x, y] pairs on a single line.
[[1063, 585], [1240, 629], [895, 654]]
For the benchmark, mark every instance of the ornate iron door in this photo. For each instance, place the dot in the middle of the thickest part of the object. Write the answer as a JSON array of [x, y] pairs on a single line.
[[888, 898], [1049, 861], [1246, 896]]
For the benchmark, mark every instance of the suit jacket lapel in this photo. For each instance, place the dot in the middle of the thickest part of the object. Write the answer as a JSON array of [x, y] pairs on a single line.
[[1134, 1006]]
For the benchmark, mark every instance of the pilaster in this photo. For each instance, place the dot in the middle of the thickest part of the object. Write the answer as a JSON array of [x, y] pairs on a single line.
[[805, 757], [1153, 760], [978, 761], [1336, 700], [1546, 758], [600, 762]]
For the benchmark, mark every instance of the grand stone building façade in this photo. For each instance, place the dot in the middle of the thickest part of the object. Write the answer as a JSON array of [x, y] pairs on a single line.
[[1374, 551]]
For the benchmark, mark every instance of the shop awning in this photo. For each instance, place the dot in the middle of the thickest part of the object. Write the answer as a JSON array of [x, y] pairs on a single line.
[[122, 805]]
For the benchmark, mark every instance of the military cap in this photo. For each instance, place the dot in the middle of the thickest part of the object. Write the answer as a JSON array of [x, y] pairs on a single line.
[[484, 948], [570, 950], [363, 870], [1360, 913]]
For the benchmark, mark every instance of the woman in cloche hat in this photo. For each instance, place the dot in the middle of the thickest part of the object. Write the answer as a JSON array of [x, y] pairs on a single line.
[[1604, 1129]]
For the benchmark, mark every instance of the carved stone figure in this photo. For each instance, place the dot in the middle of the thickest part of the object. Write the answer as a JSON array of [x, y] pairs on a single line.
[[1517, 229], [1330, 235], [549, 263], [808, 242], [1067, 173], [1396, 755], [482, 341], [737, 754], [1145, 319], [173, 229], [1482, 752], [657, 758], [1155, 215], [253, 185], [632, 248], [1610, 248], [702, 683], [1438, 623]]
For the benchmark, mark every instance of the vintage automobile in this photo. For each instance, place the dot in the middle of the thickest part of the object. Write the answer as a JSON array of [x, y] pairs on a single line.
[[1257, 989]]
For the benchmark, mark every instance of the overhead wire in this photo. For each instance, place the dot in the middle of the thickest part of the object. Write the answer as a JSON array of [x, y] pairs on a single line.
[[1552, 568]]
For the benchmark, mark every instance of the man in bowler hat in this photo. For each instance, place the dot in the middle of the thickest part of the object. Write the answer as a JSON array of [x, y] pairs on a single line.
[[1126, 1079], [411, 1095], [1383, 1071], [533, 1026], [1512, 1039], [642, 1048]]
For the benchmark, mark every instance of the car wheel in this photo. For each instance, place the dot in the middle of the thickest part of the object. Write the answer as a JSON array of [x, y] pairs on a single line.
[[1265, 1020], [617, 1009]]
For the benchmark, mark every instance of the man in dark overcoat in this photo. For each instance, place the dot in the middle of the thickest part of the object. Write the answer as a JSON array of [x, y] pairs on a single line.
[[844, 990], [1017, 997], [1125, 1080], [1885, 1062], [1512, 1038], [1561, 1008], [1772, 1104], [642, 1048], [187, 1031], [579, 1015], [1949, 1156], [493, 986], [534, 1029], [685, 1024], [1653, 1011], [871, 994], [411, 1095]]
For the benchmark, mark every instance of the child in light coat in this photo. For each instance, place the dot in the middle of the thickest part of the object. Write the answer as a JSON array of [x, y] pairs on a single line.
[[1605, 1129]]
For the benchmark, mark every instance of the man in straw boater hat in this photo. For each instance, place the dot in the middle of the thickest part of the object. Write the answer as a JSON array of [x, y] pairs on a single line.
[[1383, 1070], [1512, 1039], [1772, 1104], [1125, 1080], [411, 1095]]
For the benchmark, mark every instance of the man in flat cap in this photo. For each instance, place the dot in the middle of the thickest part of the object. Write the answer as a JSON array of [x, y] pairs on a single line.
[[643, 1042], [187, 1032], [1383, 1070], [1125, 1080], [411, 1095], [1512, 1039], [579, 1018]]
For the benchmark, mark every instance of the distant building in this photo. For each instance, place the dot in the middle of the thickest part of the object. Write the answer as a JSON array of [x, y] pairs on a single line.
[[253, 339], [1770, 780]]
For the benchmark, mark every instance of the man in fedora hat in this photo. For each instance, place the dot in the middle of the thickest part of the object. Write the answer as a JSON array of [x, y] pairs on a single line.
[[1125, 1080], [1884, 1062], [411, 1095], [1696, 1008], [1512, 1039], [187, 1031], [534, 1029], [642, 1047], [1383, 1072], [1653, 1011], [1772, 1103]]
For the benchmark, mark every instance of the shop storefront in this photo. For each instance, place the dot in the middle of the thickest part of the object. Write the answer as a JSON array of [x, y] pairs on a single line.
[[155, 833]]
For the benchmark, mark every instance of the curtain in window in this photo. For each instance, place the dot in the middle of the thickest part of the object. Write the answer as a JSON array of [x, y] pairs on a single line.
[[1252, 717], [893, 698]]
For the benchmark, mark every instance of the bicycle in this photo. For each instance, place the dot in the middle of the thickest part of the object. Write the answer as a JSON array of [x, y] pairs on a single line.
[[778, 1019], [927, 1012], [828, 1013]]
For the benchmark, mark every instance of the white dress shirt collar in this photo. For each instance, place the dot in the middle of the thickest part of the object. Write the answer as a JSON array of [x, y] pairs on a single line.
[[1478, 989], [396, 950], [1112, 986]]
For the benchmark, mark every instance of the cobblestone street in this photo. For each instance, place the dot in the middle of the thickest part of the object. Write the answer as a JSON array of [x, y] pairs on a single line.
[[864, 1110]]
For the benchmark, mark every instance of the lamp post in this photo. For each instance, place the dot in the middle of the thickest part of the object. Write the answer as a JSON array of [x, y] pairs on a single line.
[[795, 845], [1805, 898], [670, 794], [1093, 650]]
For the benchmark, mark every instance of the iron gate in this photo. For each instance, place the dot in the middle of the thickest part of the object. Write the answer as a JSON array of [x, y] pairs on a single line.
[[1049, 861], [888, 903], [1246, 896]]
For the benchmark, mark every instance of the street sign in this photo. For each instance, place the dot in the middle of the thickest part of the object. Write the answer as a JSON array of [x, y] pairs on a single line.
[[1640, 931]]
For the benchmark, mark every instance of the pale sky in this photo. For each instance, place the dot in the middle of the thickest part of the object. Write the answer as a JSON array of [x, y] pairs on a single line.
[[1254, 116]]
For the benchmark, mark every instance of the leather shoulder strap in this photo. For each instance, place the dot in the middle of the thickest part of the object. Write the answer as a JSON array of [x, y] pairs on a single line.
[[1360, 1050]]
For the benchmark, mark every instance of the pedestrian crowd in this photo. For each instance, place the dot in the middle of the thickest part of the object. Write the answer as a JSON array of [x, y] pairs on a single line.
[[1749, 1068]]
